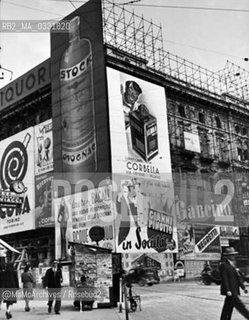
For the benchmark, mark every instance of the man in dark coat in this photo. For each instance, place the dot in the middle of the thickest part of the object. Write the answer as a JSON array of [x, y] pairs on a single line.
[[53, 280], [231, 281]]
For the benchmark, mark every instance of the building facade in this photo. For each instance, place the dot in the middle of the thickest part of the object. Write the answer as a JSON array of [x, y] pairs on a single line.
[[201, 162]]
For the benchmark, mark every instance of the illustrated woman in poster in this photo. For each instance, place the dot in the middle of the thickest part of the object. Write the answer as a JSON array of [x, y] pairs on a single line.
[[62, 219]]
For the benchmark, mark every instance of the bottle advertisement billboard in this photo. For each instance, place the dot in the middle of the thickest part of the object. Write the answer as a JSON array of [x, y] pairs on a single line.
[[80, 117]]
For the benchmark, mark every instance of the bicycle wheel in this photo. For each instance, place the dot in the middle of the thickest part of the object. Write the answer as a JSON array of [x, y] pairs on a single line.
[[133, 305]]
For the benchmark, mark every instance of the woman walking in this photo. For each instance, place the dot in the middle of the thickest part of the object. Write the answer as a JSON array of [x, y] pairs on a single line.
[[28, 286], [10, 287]]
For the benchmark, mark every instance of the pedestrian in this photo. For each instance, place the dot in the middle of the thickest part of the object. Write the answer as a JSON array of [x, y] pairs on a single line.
[[52, 281], [10, 287], [28, 281], [1, 284], [82, 292], [231, 281]]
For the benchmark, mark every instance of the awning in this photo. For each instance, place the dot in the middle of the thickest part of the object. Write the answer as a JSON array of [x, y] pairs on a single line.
[[5, 245]]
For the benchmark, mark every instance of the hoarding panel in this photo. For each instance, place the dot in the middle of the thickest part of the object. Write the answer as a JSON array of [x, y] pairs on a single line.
[[143, 218], [43, 147], [138, 126], [80, 117], [85, 217], [17, 164]]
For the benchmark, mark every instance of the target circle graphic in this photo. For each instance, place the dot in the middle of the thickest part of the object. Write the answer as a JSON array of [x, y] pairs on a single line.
[[14, 164]]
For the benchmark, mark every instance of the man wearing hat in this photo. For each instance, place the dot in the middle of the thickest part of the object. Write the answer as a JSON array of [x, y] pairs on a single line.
[[53, 280], [231, 281]]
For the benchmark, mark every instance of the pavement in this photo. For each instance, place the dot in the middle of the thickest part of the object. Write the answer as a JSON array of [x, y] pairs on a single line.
[[39, 311]]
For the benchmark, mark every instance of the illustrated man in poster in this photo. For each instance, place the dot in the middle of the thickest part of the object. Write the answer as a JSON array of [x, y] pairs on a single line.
[[62, 219], [143, 206], [130, 95], [133, 206]]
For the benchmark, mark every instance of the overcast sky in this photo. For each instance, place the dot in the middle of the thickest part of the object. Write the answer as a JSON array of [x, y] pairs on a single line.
[[207, 32]]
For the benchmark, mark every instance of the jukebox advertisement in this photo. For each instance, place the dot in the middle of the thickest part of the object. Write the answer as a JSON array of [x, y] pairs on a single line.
[[138, 126], [17, 183], [143, 216]]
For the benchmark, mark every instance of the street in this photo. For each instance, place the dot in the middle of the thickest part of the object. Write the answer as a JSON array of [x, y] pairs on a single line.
[[184, 300], [166, 301]]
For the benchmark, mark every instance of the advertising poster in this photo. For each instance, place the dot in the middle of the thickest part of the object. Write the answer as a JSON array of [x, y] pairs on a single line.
[[43, 147], [207, 242], [143, 217], [186, 241], [80, 115], [138, 126], [17, 173], [229, 232], [43, 200], [85, 217]]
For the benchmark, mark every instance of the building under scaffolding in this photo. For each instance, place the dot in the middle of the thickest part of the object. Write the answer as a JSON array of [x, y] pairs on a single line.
[[143, 39]]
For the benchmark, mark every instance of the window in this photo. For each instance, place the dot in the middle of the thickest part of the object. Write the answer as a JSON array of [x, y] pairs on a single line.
[[202, 117], [239, 150], [237, 128], [244, 131], [218, 122], [181, 110]]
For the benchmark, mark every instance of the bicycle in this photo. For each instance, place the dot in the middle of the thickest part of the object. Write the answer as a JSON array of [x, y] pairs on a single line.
[[134, 300]]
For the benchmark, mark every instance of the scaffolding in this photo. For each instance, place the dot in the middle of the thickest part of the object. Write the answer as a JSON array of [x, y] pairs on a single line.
[[143, 39]]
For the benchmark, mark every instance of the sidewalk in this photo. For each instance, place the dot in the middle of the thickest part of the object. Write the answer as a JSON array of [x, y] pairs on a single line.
[[39, 311]]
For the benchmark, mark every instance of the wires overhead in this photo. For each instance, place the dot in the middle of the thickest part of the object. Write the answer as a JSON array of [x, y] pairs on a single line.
[[72, 4], [188, 8]]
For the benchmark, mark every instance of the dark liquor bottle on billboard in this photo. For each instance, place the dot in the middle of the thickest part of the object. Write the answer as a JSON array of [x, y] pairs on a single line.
[[77, 105]]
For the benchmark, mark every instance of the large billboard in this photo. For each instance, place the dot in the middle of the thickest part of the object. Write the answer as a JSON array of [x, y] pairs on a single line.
[[138, 126], [79, 105], [17, 172]]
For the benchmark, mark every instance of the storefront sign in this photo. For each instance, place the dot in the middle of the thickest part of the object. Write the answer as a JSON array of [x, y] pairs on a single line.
[[25, 85]]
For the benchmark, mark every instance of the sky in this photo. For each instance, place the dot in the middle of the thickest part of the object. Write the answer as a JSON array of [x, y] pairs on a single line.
[[207, 32]]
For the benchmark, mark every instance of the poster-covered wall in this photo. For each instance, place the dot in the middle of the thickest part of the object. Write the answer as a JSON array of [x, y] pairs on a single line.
[[17, 164], [140, 152]]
